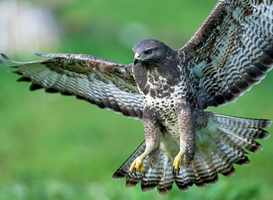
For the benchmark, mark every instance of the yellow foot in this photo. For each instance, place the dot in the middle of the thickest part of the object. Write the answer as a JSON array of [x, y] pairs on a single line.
[[137, 165], [177, 162]]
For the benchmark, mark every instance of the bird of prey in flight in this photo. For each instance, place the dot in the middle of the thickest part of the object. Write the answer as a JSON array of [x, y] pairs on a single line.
[[170, 89]]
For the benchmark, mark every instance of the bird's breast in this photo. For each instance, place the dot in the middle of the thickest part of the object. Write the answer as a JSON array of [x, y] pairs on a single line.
[[163, 102]]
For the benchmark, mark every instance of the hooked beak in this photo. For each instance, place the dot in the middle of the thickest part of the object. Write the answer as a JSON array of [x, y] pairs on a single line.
[[136, 58]]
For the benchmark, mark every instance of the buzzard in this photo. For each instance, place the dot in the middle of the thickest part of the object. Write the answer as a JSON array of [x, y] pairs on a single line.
[[170, 89]]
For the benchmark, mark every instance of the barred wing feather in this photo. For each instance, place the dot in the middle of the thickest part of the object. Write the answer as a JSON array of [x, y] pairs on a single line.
[[231, 51], [102, 82]]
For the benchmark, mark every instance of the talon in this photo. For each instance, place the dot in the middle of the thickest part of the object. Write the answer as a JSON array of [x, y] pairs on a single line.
[[177, 162], [174, 170], [137, 165], [143, 174]]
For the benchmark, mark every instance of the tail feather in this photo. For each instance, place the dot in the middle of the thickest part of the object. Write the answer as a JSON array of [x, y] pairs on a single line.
[[166, 180], [222, 166], [249, 144], [150, 180], [241, 122], [231, 156], [204, 171], [203, 175], [229, 141], [185, 179], [219, 145]]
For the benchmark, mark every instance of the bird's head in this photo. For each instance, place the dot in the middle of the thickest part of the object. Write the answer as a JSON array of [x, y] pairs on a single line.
[[153, 58], [150, 52]]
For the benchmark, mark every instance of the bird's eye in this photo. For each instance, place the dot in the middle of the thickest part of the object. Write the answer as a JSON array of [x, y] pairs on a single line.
[[148, 52]]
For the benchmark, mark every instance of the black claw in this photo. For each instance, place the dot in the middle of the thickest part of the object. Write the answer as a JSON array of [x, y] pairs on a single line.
[[174, 170], [143, 174], [134, 171], [130, 174]]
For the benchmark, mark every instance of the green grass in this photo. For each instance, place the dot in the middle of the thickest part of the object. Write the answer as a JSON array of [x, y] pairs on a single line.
[[56, 147]]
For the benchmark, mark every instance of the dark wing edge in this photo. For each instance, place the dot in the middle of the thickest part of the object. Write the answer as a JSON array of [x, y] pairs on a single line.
[[231, 51], [105, 83]]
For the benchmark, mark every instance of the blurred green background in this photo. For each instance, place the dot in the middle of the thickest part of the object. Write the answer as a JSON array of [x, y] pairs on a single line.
[[57, 147]]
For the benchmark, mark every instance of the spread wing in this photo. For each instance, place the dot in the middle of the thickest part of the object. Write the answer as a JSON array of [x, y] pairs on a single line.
[[231, 51], [102, 82]]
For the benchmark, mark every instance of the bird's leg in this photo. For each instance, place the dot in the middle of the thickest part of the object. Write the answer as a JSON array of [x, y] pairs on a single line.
[[152, 139], [187, 136]]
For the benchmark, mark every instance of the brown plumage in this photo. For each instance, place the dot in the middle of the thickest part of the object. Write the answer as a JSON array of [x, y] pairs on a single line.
[[169, 90]]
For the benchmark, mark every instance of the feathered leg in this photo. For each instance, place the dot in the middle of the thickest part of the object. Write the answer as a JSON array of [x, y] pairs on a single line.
[[152, 138], [187, 136]]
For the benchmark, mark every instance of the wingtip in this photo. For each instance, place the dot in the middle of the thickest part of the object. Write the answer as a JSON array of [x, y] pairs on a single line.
[[37, 54], [4, 56], [8, 59], [2, 63]]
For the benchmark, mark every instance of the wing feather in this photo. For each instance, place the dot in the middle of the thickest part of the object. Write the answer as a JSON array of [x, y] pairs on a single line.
[[231, 51], [105, 83]]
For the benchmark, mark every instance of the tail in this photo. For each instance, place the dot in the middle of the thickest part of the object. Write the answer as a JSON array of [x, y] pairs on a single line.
[[218, 145]]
